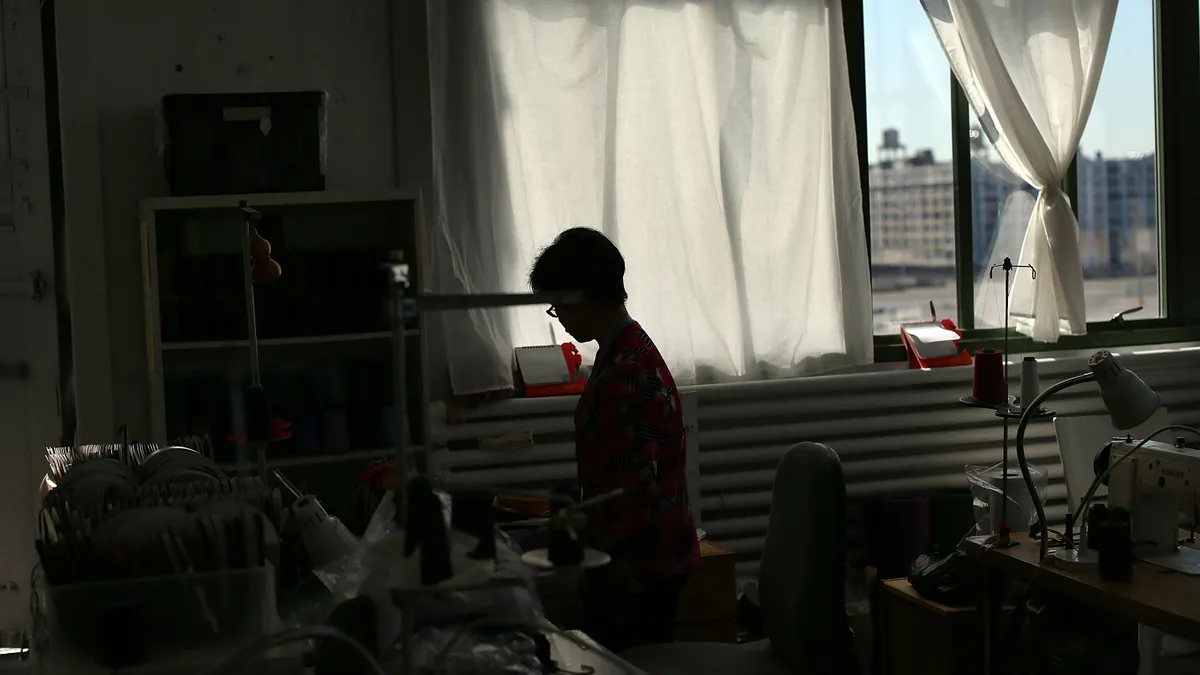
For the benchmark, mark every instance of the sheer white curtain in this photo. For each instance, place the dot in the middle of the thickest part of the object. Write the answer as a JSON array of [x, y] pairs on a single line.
[[1030, 69], [712, 141]]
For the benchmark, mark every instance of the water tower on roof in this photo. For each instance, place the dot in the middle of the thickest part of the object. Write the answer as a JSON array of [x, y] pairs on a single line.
[[892, 149]]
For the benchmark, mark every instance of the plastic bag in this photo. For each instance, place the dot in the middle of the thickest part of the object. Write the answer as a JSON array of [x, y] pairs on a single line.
[[987, 485], [483, 652], [480, 592]]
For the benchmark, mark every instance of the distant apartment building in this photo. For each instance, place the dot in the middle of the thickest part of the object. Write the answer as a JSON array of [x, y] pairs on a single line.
[[1118, 215], [912, 212]]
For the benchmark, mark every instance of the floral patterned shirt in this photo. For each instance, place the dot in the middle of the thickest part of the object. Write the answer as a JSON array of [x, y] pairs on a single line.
[[629, 435]]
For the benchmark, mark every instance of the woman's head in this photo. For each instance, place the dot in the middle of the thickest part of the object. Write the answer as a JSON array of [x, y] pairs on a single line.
[[582, 259]]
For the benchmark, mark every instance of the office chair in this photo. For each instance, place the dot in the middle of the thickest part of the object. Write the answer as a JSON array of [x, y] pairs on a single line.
[[801, 581]]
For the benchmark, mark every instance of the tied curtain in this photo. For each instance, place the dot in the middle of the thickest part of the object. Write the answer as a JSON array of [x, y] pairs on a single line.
[[713, 142], [1030, 69]]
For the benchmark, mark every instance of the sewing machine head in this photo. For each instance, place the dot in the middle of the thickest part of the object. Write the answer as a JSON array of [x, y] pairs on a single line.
[[1155, 484]]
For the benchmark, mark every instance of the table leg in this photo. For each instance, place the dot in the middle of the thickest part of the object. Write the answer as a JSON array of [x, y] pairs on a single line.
[[993, 599]]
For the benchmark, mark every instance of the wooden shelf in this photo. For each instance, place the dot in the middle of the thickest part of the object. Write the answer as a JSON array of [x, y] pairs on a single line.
[[283, 342], [327, 363]]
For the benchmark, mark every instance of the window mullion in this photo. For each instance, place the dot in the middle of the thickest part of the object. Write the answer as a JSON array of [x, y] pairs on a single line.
[[964, 243], [856, 62]]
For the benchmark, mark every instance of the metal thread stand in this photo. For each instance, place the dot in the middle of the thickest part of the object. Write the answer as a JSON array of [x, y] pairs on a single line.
[[1006, 412]]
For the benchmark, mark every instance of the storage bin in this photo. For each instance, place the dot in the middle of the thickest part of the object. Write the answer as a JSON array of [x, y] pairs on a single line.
[[123, 623]]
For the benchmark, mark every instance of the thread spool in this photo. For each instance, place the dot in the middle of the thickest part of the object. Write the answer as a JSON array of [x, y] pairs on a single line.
[[1030, 387], [988, 385], [1116, 547]]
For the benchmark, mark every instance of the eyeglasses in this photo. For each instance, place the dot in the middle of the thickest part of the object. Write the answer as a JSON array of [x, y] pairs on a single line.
[[552, 312]]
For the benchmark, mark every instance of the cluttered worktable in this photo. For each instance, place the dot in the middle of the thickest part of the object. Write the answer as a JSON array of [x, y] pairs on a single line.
[[1154, 596]]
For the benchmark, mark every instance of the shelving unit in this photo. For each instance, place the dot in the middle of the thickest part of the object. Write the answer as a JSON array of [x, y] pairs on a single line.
[[324, 341]]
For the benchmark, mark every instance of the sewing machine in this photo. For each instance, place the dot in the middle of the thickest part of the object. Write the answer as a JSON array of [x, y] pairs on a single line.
[[1156, 483]]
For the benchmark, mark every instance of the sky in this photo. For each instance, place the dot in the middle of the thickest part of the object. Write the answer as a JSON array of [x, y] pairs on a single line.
[[908, 82]]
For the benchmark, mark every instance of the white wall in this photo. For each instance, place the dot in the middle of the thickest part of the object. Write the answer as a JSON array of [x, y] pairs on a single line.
[[118, 58]]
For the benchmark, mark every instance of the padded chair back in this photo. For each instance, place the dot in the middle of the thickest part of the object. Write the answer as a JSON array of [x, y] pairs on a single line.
[[803, 570]]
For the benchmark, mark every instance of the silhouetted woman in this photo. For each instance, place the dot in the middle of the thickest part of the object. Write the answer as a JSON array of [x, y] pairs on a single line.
[[629, 434]]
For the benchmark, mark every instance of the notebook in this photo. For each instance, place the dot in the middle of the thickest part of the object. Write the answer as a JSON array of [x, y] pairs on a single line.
[[931, 340], [542, 365]]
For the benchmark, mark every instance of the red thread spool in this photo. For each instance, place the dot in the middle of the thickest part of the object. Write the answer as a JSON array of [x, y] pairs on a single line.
[[989, 376]]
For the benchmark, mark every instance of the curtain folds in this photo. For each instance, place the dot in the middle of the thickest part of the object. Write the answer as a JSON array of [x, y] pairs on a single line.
[[1030, 69], [713, 141]]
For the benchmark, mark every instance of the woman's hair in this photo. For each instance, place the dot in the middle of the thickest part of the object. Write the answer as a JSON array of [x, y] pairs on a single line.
[[582, 259]]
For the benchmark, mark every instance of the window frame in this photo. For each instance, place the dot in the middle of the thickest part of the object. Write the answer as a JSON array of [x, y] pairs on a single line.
[[1177, 70]]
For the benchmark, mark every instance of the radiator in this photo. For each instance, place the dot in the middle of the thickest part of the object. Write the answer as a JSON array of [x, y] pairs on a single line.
[[896, 432]]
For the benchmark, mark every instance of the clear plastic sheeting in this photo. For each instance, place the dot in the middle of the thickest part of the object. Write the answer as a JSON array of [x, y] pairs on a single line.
[[988, 493], [448, 620], [459, 651]]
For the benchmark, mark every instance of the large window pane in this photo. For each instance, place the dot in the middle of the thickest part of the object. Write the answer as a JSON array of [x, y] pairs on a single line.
[[1116, 199], [1118, 187], [911, 180]]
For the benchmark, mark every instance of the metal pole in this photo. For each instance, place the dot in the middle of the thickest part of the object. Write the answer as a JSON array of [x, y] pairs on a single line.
[[1005, 528], [399, 385], [252, 342], [399, 314], [251, 322]]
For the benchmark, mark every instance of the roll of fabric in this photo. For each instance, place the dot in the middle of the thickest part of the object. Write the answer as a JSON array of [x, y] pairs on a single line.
[[1030, 387]]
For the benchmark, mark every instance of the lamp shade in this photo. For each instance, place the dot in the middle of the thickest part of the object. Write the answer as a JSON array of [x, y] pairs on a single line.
[[1128, 399]]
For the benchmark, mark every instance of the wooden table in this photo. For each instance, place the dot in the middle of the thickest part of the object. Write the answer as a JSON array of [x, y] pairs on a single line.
[[1155, 596], [923, 637]]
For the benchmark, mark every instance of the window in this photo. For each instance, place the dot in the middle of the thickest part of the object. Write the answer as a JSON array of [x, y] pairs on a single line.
[[910, 179], [1116, 176], [913, 133]]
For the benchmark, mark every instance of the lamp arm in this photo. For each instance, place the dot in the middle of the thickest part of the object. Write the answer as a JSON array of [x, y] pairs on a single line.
[[1030, 412]]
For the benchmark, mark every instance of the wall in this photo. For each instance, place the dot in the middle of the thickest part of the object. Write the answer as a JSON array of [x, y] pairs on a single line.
[[28, 327], [897, 432], [118, 58]]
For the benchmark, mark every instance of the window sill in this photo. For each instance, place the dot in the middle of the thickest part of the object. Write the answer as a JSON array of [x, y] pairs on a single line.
[[889, 349]]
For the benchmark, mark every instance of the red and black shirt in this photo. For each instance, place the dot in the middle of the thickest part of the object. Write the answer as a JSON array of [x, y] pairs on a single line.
[[629, 434]]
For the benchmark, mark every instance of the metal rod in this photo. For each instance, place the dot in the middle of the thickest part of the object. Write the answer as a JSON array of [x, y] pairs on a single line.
[[287, 484], [251, 322], [399, 385], [447, 302], [259, 450], [1004, 526]]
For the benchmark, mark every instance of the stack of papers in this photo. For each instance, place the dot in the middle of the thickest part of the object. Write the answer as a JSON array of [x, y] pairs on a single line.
[[932, 341]]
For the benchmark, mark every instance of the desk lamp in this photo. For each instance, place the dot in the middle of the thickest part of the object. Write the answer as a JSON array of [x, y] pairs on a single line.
[[1128, 400]]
